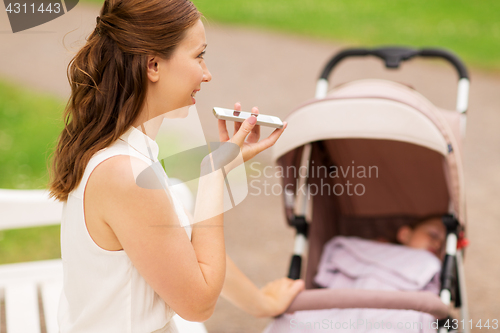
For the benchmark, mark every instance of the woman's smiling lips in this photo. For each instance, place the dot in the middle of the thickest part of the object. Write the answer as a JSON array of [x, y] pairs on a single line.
[[192, 95]]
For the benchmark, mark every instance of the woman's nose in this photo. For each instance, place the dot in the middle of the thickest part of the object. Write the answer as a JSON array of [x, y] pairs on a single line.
[[207, 76]]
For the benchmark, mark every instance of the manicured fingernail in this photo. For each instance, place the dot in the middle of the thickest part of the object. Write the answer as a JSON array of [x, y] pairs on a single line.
[[252, 120]]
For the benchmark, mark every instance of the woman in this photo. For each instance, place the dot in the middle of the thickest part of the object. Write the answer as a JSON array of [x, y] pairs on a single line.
[[128, 263]]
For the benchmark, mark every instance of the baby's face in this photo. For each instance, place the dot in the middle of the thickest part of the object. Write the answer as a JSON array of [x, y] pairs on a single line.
[[429, 235]]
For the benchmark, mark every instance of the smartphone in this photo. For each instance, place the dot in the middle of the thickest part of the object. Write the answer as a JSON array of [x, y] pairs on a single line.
[[240, 116]]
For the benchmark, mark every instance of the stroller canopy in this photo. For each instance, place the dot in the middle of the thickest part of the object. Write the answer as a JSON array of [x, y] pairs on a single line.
[[404, 150]]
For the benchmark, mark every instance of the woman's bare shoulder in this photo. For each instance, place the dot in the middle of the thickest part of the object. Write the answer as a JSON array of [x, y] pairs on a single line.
[[117, 172], [113, 185], [114, 191]]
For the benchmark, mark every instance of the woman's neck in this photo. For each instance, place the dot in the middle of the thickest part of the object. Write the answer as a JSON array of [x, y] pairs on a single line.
[[147, 123], [150, 126]]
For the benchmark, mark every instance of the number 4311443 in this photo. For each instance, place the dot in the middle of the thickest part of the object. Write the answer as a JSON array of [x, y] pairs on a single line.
[[18, 8], [455, 324]]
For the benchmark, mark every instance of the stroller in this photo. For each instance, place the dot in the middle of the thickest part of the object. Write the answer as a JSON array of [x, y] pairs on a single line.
[[417, 149]]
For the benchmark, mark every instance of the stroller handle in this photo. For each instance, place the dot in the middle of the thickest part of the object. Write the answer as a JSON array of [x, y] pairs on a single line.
[[392, 57]]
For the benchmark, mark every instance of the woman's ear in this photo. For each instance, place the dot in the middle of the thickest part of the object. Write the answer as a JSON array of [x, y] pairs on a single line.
[[153, 70], [404, 234]]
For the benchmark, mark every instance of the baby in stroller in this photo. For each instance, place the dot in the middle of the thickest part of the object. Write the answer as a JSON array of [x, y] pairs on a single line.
[[427, 234], [413, 264], [354, 263]]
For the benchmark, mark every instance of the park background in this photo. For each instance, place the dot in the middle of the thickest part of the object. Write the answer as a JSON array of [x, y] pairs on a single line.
[[269, 53]]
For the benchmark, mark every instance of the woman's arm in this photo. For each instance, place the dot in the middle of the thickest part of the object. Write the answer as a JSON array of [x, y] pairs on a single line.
[[270, 301], [186, 275]]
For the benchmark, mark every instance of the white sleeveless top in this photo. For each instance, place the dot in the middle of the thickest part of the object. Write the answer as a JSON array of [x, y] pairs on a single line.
[[103, 292]]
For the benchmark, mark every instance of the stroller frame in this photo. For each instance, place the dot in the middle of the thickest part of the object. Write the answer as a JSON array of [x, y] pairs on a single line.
[[296, 204]]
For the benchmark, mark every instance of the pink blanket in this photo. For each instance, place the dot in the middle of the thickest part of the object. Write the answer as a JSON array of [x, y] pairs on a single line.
[[350, 262]]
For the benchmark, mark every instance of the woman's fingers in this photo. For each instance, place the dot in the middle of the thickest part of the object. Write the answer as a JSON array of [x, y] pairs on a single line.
[[223, 134], [280, 294], [237, 124], [270, 140], [298, 286], [249, 150], [245, 129], [237, 106], [247, 134], [255, 134]]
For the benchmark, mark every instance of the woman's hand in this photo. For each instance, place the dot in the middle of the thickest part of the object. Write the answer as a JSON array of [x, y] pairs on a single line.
[[249, 131], [278, 295], [270, 301]]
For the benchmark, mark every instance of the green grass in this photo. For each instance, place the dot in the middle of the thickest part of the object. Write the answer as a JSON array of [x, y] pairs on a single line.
[[469, 28], [30, 124], [19, 245]]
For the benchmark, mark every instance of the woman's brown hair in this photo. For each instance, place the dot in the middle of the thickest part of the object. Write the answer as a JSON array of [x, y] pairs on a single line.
[[108, 79]]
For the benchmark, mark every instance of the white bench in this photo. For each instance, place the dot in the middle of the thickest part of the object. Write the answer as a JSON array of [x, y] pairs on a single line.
[[30, 291]]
